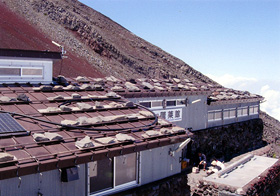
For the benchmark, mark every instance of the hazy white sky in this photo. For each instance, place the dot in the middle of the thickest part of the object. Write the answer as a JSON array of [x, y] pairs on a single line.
[[235, 42]]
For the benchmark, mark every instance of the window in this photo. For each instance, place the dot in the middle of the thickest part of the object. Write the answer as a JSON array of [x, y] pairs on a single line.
[[214, 115], [171, 103], [146, 104], [32, 71], [229, 113], [242, 111], [125, 169], [9, 71], [253, 109], [112, 174], [156, 104], [22, 71], [181, 102], [101, 175]]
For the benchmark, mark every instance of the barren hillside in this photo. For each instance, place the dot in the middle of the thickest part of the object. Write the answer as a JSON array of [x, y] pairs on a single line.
[[105, 45]]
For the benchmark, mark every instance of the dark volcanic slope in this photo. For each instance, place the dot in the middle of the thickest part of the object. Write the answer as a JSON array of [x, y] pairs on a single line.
[[107, 46], [17, 33]]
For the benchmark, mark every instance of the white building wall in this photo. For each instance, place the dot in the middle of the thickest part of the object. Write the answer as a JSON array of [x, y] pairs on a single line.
[[156, 164], [48, 184], [45, 64]]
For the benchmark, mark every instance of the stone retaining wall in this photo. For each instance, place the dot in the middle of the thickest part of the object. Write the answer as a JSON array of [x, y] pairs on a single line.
[[225, 142]]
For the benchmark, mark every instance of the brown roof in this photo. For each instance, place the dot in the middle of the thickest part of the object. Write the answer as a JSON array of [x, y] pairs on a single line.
[[138, 88], [226, 95], [29, 53], [69, 118]]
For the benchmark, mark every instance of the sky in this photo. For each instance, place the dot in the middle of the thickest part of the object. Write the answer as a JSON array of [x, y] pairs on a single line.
[[234, 42]]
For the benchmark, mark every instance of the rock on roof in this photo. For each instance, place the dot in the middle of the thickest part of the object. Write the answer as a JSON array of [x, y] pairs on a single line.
[[73, 125]]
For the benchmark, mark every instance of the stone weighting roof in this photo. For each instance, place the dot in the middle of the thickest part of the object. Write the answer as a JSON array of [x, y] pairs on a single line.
[[69, 124]]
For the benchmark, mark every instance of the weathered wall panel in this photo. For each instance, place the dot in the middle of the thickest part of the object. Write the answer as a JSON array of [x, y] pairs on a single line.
[[48, 184], [156, 164]]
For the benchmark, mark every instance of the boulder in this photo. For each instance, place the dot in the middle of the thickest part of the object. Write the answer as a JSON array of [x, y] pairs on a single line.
[[84, 143], [81, 79], [58, 87], [4, 157], [152, 133], [166, 131], [129, 104], [65, 108], [46, 88], [124, 137], [53, 136], [115, 105], [178, 129], [117, 88], [76, 96], [84, 106], [5, 99], [112, 95], [98, 105], [106, 140], [86, 87], [147, 114], [94, 120], [53, 109], [82, 120], [69, 122], [39, 137], [58, 97], [23, 97]]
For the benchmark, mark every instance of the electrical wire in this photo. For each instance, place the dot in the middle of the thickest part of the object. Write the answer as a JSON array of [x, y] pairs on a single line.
[[85, 128]]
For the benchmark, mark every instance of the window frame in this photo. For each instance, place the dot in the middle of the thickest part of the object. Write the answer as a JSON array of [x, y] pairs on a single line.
[[255, 109], [242, 109], [229, 110], [117, 188], [21, 70], [215, 112]]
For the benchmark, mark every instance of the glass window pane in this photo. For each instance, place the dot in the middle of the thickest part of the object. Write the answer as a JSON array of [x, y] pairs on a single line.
[[171, 103], [218, 115], [101, 175], [245, 111], [146, 104], [251, 110], [181, 102], [256, 109], [232, 113], [156, 103], [226, 113], [10, 71], [32, 72], [239, 112], [210, 116], [125, 169]]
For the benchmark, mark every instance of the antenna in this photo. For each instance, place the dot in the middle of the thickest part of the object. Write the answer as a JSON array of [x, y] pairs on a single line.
[[63, 52]]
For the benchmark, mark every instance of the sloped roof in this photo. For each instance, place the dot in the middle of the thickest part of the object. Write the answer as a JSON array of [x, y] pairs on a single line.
[[144, 87], [71, 125], [29, 53], [226, 95]]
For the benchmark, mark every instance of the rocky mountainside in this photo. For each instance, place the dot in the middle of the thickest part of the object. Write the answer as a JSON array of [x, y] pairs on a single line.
[[105, 45], [96, 46]]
